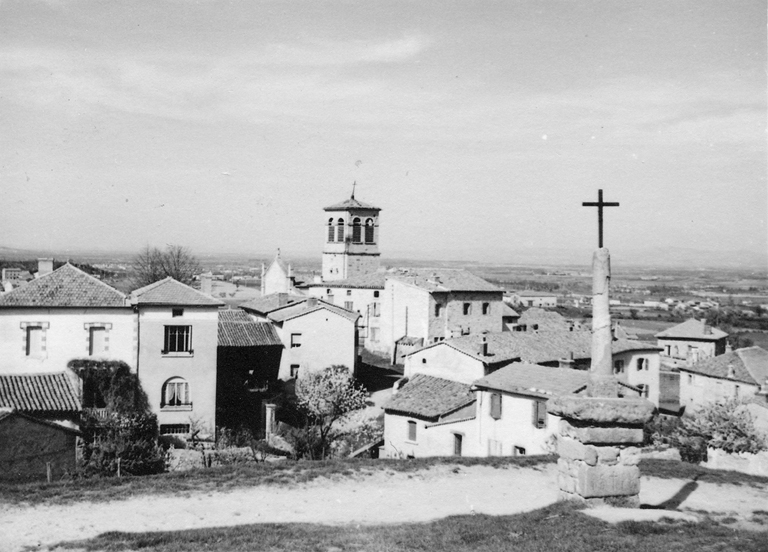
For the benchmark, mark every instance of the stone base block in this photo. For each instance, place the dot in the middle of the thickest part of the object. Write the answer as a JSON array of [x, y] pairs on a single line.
[[602, 435], [608, 481], [602, 410]]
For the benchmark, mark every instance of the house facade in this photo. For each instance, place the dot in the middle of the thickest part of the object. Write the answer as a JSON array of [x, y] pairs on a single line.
[[64, 315], [178, 337], [737, 375], [315, 334], [691, 341]]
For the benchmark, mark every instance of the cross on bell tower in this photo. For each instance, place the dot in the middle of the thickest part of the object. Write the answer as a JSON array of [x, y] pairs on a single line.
[[599, 204]]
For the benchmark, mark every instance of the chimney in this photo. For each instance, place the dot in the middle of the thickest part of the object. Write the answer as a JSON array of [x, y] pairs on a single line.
[[707, 329], [483, 350], [566, 362], [44, 266], [730, 371], [206, 284], [728, 347], [282, 299], [311, 302]]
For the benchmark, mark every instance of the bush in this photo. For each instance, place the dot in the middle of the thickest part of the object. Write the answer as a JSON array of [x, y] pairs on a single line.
[[130, 438], [725, 426]]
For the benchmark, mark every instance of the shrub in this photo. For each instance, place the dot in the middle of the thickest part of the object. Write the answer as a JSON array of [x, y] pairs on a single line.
[[131, 438]]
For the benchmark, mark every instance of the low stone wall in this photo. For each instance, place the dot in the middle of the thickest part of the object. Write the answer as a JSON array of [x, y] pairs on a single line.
[[753, 464]]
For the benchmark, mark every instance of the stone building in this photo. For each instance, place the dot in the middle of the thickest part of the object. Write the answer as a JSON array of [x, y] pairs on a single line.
[[691, 341], [351, 244]]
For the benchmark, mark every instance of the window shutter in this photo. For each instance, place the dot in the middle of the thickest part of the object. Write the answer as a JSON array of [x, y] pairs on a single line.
[[540, 414], [495, 406]]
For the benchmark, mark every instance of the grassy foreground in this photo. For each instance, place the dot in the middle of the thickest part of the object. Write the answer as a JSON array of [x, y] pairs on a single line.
[[560, 527], [291, 473]]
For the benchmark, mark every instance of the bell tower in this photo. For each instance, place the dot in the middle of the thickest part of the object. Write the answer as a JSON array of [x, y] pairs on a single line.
[[351, 239]]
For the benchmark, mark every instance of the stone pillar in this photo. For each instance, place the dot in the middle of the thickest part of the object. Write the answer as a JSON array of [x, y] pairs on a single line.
[[597, 448], [599, 432], [269, 420], [602, 382]]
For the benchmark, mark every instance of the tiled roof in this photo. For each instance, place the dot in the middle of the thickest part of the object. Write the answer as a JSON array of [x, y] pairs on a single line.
[[351, 203], [429, 397], [7, 413], [442, 279], [171, 292], [537, 346], [693, 329], [749, 365], [67, 286], [304, 307], [237, 329], [532, 293], [531, 379], [273, 301], [506, 310], [38, 393], [373, 280], [544, 318]]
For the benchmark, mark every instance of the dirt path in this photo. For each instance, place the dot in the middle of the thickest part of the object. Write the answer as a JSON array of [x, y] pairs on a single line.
[[379, 498]]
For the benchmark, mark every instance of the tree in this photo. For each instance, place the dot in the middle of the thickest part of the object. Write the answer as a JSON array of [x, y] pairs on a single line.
[[153, 264], [324, 398]]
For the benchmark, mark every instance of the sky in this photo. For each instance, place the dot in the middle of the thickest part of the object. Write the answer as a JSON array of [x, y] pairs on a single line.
[[478, 128]]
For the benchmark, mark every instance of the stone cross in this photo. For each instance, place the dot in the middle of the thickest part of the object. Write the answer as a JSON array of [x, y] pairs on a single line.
[[599, 204]]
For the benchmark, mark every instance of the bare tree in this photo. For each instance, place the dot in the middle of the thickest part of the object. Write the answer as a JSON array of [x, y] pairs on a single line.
[[153, 264]]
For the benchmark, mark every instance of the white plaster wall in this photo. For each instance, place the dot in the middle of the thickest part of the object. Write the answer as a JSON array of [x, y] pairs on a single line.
[[430, 441], [66, 337], [514, 428], [442, 361], [276, 281], [649, 377], [697, 391], [198, 369], [404, 306], [362, 302], [327, 339]]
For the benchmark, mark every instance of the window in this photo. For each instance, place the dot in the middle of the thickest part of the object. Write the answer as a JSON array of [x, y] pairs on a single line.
[[736, 391], [438, 309], [539, 414], [486, 308], [465, 331], [340, 230], [376, 309], [376, 294], [374, 334], [176, 394], [97, 341], [467, 308], [34, 341], [618, 366], [424, 360], [369, 231], [642, 364], [349, 305], [457, 438], [174, 429], [519, 451], [177, 312], [349, 293], [295, 340], [690, 378], [178, 339], [643, 390], [295, 370], [356, 231], [496, 406], [330, 230], [412, 431]]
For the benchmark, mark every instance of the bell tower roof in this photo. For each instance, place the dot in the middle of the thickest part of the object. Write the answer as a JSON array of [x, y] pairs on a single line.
[[352, 204]]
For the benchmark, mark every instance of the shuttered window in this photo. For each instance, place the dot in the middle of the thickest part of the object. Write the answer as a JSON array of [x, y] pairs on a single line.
[[369, 231], [357, 231], [496, 406], [412, 431], [539, 414]]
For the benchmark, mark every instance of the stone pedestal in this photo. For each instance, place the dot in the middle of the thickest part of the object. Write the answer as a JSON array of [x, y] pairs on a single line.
[[269, 421], [597, 448]]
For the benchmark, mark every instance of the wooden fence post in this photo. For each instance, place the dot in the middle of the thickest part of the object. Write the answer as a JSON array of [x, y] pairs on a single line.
[[48, 472]]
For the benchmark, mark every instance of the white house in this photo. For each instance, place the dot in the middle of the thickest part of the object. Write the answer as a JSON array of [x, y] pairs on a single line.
[[177, 328], [740, 374], [529, 298], [690, 342], [315, 334]]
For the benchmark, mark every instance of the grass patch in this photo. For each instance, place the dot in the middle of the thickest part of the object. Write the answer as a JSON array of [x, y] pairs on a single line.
[[671, 469], [557, 528], [225, 478]]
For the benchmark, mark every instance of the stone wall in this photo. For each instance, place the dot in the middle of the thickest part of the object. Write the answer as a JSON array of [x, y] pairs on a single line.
[[753, 464]]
